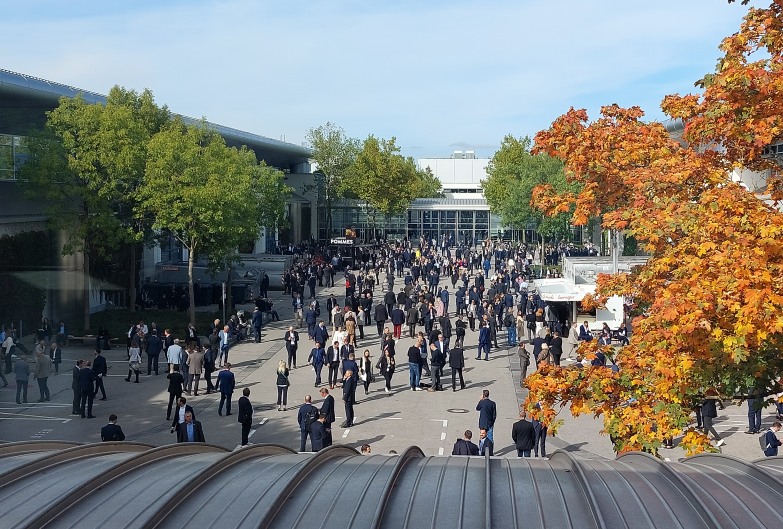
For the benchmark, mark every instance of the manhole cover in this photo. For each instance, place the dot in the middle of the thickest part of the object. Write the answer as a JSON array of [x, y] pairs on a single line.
[[458, 410]]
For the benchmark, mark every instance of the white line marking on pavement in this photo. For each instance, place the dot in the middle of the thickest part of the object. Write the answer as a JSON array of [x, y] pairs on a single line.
[[263, 421], [440, 451], [37, 405], [443, 436], [21, 416], [345, 433], [251, 434], [444, 421]]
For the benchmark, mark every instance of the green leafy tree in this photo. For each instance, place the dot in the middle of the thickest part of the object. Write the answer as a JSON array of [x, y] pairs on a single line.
[[513, 173], [210, 196], [334, 153], [429, 185], [383, 178], [89, 165]]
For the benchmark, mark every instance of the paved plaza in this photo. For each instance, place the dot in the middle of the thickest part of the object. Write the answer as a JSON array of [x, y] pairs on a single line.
[[431, 420]]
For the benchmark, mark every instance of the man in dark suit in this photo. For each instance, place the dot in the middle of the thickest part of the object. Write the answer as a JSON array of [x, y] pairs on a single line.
[[225, 384], [380, 317], [87, 388], [100, 370], [291, 345], [349, 390], [318, 436], [487, 413], [179, 413], [153, 349], [190, 431], [485, 446], [465, 447], [437, 361], [523, 435], [245, 415], [483, 341], [327, 412], [112, 431], [457, 363], [307, 415]]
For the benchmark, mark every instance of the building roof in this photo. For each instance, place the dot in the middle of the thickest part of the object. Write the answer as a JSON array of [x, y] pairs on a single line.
[[20, 91], [449, 203], [128, 485]]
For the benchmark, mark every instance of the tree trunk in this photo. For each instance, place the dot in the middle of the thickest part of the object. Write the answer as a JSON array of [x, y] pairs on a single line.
[[191, 294], [86, 292], [328, 217], [132, 274], [229, 297]]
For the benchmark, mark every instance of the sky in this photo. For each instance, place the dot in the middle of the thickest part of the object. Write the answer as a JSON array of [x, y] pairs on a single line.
[[437, 75]]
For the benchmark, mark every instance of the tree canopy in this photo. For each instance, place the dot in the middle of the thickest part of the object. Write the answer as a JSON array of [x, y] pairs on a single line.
[[210, 196], [714, 303], [512, 175]]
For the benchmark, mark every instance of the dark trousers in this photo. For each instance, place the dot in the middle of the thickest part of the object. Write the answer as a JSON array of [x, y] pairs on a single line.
[[43, 388], [349, 413], [523, 453], [318, 368], [379, 325], [86, 402], [328, 438], [99, 387], [303, 435], [282, 395], [437, 374], [361, 332], [333, 369], [21, 391], [292, 357], [425, 366], [257, 334], [388, 376], [412, 330], [539, 441], [246, 430], [208, 377], [172, 397], [77, 396], [454, 372], [152, 364], [225, 398]]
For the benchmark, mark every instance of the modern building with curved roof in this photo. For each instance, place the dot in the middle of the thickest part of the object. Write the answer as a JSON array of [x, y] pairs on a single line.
[[125, 485]]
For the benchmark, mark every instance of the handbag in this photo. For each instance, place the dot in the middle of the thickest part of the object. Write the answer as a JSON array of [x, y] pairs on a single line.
[[362, 375]]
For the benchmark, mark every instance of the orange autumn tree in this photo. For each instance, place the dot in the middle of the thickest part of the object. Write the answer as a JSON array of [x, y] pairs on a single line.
[[710, 288]]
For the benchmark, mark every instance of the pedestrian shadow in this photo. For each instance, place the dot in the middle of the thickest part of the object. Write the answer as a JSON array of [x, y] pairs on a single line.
[[384, 415], [369, 441], [510, 449]]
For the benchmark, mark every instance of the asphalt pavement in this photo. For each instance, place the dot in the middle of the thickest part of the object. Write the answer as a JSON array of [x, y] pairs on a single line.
[[432, 421]]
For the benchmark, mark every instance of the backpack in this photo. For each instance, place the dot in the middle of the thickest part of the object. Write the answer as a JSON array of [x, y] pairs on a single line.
[[310, 417], [763, 442]]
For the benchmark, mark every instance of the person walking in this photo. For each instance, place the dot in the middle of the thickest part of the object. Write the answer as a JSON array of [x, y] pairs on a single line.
[[22, 376], [225, 384], [316, 359], [282, 386], [100, 370], [483, 341], [307, 415], [195, 363], [291, 345], [709, 411], [245, 415], [190, 431], [365, 371], [523, 435], [112, 431], [134, 363], [153, 348], [413, 367], [56, 355], [179, 413], [487, 413], [349, 390], [465, 447], [176, 384], [457, 363], [333, 357], [87, 388], [41, 372], [327, 413], [386, 367]]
